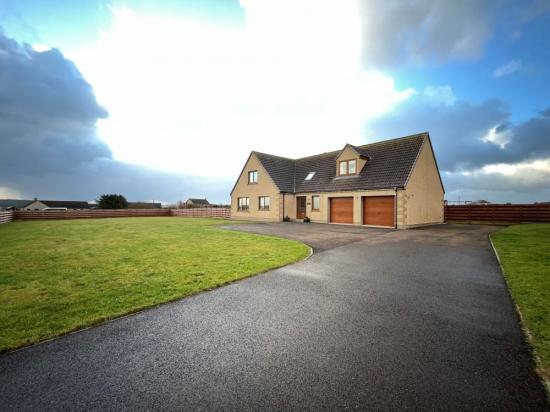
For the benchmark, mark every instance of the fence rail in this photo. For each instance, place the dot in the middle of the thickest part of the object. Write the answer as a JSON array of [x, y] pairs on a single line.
[[498, 213], [221, 212], [6, 216], [88, 214], [105, 213]]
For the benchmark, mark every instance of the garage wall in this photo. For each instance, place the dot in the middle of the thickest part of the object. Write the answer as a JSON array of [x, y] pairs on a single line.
[[322, 216], [264, 187], [422, 201]]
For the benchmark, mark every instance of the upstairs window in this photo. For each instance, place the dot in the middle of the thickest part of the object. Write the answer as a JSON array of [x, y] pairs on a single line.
[[347, 167], [310, 176], [343, 168], [253, 177], [263, 203], [352, 164], [243, 203]]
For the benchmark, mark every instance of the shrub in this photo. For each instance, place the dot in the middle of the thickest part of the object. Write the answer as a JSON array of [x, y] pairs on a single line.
[[112, 201]]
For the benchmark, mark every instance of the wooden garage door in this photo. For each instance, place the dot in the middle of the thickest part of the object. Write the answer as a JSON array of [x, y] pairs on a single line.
[[341, 210], [378, 210]]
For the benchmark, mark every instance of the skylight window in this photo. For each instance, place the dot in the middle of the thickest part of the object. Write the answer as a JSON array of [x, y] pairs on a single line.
[[310, 176]]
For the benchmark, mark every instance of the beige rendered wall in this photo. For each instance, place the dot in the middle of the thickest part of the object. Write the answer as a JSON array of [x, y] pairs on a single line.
[[290, 206], [264, 187], [422, 201], [322, 216]]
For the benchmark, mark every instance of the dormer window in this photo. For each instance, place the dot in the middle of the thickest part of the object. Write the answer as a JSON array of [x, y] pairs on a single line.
[[253, 177], [347, 167], [310, 176]]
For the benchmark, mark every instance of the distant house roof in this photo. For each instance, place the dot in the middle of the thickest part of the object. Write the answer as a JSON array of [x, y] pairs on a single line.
[[145, 205], [69, 204], [13, 203], [389, 165], [198, 201]]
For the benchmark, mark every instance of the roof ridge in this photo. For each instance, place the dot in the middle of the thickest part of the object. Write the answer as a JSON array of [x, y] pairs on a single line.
[[272, 155], [337, 151], [393, 139], [320, 154]]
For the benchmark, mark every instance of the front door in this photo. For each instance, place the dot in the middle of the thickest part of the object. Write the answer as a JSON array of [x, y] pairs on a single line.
[[300, 207]]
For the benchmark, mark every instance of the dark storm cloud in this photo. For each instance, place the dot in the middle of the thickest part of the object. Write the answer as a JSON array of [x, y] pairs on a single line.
[[47, 112], [48, 141], [458, 132], [459, 129]]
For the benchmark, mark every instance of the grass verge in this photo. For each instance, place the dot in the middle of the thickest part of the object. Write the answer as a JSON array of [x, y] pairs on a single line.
[[524, 251], [60, 276]]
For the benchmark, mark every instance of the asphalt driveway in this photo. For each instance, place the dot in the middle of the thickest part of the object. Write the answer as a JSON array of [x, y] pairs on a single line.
[[389, 320]]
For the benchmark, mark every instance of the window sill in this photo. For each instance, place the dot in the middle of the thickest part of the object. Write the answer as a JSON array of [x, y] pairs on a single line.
[[342, 177]]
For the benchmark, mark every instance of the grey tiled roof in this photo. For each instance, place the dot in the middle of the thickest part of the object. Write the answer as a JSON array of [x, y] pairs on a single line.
[[199, 201], [69, 204], [390, 164], [16, 203], [281, 170]]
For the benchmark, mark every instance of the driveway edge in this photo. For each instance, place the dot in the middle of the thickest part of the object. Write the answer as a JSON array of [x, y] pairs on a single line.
[[138, 311], [524, 328]]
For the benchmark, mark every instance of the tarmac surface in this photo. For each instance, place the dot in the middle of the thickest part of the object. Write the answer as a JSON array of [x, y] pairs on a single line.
[[375, 319]]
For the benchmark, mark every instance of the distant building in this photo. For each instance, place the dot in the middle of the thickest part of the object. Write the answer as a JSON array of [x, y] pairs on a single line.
[[12, 204], [38, 204], [144, 205], [197, 203]]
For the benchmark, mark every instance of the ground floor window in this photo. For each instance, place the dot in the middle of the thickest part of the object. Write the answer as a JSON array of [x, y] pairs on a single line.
[[243, 203], [315, 202], [263, 203]]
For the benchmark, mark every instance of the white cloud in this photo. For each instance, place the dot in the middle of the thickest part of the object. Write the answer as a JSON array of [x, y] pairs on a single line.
[[535, 170], [39, 47], [440, 94], [9, 193], [193, 97], [508, 68], [498, 137]]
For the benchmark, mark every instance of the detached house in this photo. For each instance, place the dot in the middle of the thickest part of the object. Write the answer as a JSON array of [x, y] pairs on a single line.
[[393, 183]]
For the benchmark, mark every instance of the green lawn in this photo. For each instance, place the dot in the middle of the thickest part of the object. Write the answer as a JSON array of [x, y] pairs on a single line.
[[62, 275], [525, 254]]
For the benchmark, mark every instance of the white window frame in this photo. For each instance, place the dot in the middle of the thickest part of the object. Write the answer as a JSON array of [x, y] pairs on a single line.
[[252, 177], [265, 205], [313, 198], [243, 204]]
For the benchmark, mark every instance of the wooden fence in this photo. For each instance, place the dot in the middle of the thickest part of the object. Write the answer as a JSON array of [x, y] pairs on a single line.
[[104, 213], [88, 214], [498, 213], [221, 212], [6, 216]]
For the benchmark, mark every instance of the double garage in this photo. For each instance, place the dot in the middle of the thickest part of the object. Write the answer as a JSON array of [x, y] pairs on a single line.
[[376, 210]]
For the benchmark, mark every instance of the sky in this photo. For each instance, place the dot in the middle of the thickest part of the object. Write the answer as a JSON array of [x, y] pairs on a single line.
[[164, 100]]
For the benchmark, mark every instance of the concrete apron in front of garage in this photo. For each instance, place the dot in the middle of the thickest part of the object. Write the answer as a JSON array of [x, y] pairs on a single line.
[[417, 319]]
